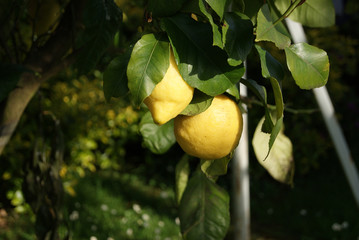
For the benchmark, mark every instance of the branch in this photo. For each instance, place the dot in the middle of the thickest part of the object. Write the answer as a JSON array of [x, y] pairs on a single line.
[[45, 62]]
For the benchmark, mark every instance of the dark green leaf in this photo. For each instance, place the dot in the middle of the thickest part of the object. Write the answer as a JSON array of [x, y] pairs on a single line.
[[157, 138], [115, 78], [200, 102], [217, 35], [309, 65], [101, 21], [238, 37], [147, 66], [10, 76], [215, 168], [163, 8], [204, 209], [266, 31], [312, 13], [251, 8], [182, 175], [270, 66], [201, 64]]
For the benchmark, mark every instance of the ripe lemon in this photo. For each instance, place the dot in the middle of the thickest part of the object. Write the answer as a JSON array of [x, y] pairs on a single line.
[[170, 96], [213, 133]]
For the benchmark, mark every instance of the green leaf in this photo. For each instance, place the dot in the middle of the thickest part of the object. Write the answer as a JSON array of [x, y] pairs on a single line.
[[218, 6], [278, 97], [101, 22], [217, 35], [238, 37], [270, 66], [157, 138], [204, 209], [163, 8], [279, 161], [309, 65], [10, 76], [201, 65], [182, 174], [200, 102], [234, 91], [312, 13], [147, 66], [215, 168], [266, 31], [115, 78]]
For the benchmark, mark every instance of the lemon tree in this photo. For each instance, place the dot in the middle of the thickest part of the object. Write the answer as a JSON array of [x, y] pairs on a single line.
[[183, 70], [200, 102]]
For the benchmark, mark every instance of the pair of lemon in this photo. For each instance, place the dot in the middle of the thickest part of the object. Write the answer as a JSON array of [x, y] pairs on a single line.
[[211, 134]]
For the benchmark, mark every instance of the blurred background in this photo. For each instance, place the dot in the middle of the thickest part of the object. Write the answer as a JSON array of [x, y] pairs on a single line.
[[109, 186]]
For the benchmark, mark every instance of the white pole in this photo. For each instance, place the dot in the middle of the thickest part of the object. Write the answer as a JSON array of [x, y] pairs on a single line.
[[241, 196], [327, 109]]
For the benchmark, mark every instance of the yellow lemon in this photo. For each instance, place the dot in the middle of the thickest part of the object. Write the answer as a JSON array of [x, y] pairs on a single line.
[[213, 133], [170, 96]]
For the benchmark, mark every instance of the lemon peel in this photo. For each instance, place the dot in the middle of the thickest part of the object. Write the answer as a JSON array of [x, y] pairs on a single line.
[[212, 134], [170, 96]]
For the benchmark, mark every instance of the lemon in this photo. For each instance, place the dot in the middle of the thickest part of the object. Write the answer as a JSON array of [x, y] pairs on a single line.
[[212, 134], [170, 96]]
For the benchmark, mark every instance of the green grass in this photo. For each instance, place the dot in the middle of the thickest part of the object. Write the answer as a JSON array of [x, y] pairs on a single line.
[[121, 207]]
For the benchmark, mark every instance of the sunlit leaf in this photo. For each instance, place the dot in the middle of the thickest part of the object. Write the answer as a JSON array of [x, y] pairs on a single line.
[[148, 64], [157, 138], [312, 13], [266, 31], [215, 168], [279, 162], [201, 64], [218, 6], [309, 65], [204, 209], [217, 35]]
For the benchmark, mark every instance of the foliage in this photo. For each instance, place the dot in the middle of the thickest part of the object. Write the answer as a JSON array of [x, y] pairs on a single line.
[[210, 40]]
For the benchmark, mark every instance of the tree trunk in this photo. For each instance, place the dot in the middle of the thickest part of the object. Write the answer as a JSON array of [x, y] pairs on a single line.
[[45, 62]]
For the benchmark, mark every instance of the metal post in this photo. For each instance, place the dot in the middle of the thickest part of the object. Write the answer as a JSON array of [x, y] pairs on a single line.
[[327, 110], [241, 193]]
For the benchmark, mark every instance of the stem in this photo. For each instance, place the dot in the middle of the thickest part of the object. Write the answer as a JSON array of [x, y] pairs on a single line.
[[290, 9]]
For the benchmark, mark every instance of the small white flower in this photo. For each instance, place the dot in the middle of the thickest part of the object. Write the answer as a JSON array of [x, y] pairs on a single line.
[[136, 208], [93, 238], [140, 222], [74, 215], [177, 221], [129, 232], [145, 217], [113, 211], [110, 238], [336, 227], [104, 207], [164, 195], [303, 212], [161, 224], [345, 224], [124, 220]]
